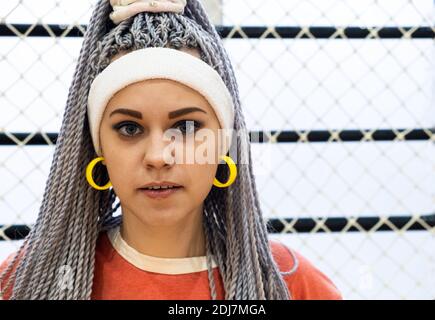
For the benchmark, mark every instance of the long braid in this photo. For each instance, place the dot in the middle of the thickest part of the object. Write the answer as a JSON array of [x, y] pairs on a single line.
[[42, 244], [72, 214]]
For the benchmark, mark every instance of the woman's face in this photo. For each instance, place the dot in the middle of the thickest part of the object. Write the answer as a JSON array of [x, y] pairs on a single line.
[[136, 151]]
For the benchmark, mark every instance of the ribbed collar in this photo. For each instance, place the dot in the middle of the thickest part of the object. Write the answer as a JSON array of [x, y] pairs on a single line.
[[156, 264]]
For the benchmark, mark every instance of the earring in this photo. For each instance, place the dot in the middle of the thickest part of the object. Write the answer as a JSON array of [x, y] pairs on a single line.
[[233, 173], [89, 169]]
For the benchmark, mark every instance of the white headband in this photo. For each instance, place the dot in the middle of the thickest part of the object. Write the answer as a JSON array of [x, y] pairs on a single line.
[[163, 63]]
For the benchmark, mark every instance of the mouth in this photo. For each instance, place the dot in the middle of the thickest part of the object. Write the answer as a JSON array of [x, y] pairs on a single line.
[[160, 193]]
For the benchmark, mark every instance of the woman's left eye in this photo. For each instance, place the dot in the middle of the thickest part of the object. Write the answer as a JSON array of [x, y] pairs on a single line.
[[188, 126]]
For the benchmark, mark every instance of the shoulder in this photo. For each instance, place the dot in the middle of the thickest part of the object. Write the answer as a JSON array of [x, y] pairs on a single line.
[[305, 282], [3, 266]]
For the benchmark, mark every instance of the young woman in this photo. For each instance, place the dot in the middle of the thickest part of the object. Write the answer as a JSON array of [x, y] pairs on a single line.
[[151, 78]]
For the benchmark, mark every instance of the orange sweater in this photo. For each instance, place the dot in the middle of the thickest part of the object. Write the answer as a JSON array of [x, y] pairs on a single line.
[[115, 277]]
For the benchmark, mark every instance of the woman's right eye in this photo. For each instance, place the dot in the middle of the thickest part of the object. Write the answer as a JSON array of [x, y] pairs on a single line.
[[127, 129]]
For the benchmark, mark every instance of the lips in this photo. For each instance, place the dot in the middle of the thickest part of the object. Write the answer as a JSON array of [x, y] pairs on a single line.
[[161, 184], [160, 193], [159, 188]]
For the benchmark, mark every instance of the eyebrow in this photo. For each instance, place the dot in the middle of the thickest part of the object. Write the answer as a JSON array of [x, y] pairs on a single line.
[[128, 112], [171, 115], [180, 112]]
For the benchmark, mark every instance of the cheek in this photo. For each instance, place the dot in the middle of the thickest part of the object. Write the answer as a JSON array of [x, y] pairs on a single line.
[[206, 148], [118, 157], [201, 179], [119, 168]]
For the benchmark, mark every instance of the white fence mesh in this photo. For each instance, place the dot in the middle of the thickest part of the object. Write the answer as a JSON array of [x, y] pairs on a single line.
[[345, 91]]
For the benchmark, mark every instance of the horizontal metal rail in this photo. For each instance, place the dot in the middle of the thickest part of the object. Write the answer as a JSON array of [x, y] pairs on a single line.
[[241, 32], [285, 136], [351, 224], [302, 225]]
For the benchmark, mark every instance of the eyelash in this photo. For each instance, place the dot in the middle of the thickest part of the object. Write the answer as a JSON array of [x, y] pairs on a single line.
[[119, 126]]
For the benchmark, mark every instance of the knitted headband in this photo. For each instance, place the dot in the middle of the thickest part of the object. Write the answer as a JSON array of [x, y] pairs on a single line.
[[163, 63]]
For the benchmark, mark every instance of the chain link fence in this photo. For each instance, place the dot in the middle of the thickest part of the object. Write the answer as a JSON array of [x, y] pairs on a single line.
[[341, 94]]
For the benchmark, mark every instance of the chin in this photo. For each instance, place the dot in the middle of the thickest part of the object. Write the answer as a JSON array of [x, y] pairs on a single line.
[[161, 217]]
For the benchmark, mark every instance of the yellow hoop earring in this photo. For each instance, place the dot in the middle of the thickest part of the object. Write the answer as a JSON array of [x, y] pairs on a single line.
[[89, 169], [233, 173]]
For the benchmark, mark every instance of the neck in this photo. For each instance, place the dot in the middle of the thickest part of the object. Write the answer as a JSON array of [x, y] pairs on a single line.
[[182, 239]]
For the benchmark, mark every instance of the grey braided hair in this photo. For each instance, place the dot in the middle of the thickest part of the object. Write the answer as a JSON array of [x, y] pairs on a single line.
[[72, 214]]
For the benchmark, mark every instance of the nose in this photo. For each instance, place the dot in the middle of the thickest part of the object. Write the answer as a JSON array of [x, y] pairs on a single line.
[[157, 153]]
